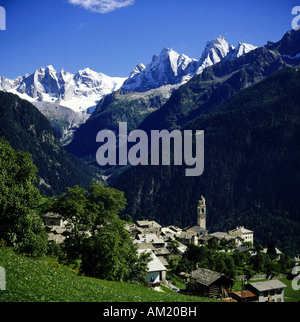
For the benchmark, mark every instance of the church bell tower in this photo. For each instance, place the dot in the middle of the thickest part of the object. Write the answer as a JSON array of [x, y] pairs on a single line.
[[201, 213]]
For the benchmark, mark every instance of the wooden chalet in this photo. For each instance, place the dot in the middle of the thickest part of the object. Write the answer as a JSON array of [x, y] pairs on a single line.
[[207, 283]]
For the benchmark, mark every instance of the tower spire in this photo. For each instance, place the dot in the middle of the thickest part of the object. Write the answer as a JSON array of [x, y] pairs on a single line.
[[201, 213]]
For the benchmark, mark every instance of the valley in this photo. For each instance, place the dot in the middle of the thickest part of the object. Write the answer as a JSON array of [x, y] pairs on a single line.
[[175, 92]]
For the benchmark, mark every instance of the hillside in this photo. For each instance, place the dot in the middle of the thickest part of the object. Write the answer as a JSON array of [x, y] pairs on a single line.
[[44, 280], [64, 120], [26, 129], [252, 174]]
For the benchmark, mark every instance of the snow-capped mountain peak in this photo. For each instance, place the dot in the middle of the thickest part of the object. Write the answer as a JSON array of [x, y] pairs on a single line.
[[172, 68], [243, 49], [137, 70], [168, 67], [215, 51], [79, 92], [83, 90], [51, 68]]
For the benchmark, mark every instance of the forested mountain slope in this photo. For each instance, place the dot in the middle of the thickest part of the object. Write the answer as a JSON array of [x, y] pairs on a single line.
[[26, 129], [252, 169]]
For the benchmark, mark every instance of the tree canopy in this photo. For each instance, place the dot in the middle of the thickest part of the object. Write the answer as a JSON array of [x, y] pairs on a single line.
[[19, 224], [97, 236]]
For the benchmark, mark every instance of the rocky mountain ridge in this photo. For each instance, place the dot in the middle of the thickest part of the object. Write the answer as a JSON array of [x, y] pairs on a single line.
[[173, 68]]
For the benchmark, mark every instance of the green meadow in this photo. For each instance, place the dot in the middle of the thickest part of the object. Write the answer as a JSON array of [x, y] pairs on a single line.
[[44, 280]]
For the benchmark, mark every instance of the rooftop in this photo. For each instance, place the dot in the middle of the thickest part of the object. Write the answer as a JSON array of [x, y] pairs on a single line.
[[222, 235], [268, 285], [187, 235], [205, 276], [155, 265], [148, 224], [242, 230], [150, 239], [52, 215], [244, 294], [144, 246], [196, 229]]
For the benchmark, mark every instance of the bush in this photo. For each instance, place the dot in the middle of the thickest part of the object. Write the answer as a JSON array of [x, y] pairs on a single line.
[[53, 249]]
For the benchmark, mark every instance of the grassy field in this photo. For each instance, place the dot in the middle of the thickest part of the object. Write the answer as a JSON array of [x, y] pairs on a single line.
[[290, 294], [44, 280]]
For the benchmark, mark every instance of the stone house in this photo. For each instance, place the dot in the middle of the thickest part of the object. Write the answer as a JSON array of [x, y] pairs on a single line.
[[149, 227], [146, 224], [181, 248], [55, 227], [245, 234], [223, 235], [151, 239], [175, 229], [133, 230], [55, 234], [269, 291], [51, 219], [188, 238]]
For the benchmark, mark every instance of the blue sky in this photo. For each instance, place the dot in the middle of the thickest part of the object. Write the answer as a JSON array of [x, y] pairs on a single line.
[[62, 34]]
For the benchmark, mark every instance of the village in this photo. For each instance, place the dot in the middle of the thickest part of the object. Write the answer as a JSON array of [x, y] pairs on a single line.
[[151, 237]]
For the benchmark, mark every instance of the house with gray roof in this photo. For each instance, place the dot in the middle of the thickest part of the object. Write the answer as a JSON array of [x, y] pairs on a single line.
[[223, 235], [144, 246], [157, 272], [148, 224], [151, 239], [188, 238], [268, 291], [55, 227], [133, 230], [51, 219], [200, 231], [245, 234]]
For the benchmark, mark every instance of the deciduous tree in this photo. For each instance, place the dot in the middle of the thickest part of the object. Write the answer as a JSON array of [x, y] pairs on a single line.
[[97, 235], [20, 226]]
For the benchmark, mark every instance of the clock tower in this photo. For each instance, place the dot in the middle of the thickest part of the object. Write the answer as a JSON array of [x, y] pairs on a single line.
[[201, 213]]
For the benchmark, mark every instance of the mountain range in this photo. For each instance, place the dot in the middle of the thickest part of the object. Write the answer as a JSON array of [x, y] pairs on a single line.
[[252, 169], [228, 70], [249, 109], [68, 100], [82, 91], [171, 68], [245, 98], [147, 89], [79, 92]]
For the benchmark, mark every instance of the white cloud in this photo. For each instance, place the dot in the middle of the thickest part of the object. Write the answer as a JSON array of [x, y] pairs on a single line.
[[102, 6]]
